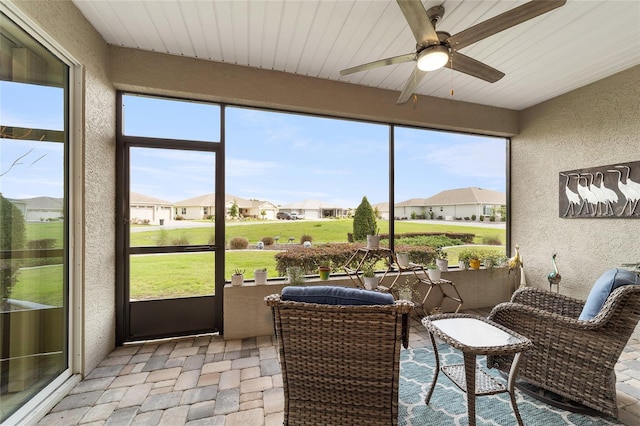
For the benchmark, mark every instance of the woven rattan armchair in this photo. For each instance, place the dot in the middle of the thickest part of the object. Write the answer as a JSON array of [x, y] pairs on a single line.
[[572, 358], [340, 364]]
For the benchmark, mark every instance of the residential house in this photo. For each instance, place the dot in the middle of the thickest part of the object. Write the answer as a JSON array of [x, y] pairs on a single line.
[[40, 209], [314, 209], [455, 204], [144, 209], [561, 107], [203, 207]]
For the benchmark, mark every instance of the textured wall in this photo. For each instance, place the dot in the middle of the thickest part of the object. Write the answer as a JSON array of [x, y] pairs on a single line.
[[593, 126], [67, 27]]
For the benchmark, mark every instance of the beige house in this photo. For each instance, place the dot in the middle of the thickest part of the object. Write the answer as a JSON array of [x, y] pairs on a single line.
[[40, 209], [454, 203], [583, 113], [203, 207], [144, 209], [314, 209]]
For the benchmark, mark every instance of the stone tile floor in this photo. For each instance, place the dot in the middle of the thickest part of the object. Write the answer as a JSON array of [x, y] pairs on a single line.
[[205, 380]]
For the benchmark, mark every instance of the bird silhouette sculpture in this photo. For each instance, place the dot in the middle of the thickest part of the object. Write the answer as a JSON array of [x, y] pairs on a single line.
[[554, 277]]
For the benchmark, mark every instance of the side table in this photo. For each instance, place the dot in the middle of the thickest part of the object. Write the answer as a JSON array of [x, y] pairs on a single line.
[[475, 336]]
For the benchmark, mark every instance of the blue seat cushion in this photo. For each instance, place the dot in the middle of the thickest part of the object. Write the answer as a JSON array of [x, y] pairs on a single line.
[[608, 281], [334, 295]]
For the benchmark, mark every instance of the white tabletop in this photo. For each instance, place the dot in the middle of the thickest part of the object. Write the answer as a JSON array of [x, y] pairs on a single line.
[[472, 332]]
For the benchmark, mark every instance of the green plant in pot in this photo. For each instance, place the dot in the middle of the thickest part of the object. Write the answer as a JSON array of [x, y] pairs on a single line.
[[237, 279], [324, 269], [434, 272], [370, 279], [405, 290], [442, 259]]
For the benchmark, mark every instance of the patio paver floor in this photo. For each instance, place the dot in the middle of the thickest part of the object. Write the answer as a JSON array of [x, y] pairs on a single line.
[[205, 380]]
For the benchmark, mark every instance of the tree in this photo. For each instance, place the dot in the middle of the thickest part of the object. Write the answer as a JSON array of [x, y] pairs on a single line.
[[364, 221], [13, 236], [233, 211]]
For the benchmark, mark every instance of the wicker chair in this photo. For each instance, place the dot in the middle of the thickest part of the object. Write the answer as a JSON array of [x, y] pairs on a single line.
[[572, 358], [340, 364]]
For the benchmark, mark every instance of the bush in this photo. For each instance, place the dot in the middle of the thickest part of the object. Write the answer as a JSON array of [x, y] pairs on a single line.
[[338, 254], [306, 238], [45, 243], [364, 221], [491, 240], [238, 243], [473, 217], [267, 241], [181, 240], [179, 218]]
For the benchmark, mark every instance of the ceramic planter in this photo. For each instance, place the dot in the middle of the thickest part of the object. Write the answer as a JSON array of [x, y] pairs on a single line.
[[403, 259], [260, 276], [237, 280], [371, 283], [324, 272], [474, 263], [443, 264], [434, 274], [373, 241], [463, 265]]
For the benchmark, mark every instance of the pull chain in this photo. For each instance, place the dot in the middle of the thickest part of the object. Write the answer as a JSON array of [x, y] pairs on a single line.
[[451, 60]]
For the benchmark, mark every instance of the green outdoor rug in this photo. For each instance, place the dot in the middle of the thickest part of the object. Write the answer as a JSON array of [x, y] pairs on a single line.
[[448, 403]]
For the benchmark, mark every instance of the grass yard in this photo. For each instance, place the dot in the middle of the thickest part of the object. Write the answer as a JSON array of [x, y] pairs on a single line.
[[192, 274], [322, 231]]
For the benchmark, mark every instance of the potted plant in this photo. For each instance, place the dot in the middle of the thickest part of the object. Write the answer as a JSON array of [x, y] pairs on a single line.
[[373, 241], [471, 256], [370, 279], [324, 269], [405, 291], [295, 275], [474, 262], [260, 276], [434, 272], [442, 259], [463, 259], [237, 279]]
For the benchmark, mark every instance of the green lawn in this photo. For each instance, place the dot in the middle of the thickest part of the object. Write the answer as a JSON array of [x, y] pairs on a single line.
[[175, 275], [322, 231]]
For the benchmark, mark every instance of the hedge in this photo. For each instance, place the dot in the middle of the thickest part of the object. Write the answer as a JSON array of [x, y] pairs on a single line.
[[338, 254]]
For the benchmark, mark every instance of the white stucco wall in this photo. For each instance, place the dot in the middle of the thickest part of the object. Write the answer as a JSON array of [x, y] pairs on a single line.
[[67, 27], [593, 126]]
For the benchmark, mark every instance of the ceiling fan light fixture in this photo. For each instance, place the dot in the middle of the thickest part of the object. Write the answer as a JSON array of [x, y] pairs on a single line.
[[433, 58]]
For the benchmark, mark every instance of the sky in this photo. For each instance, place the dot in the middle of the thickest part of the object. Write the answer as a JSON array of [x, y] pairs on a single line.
[[273, 156]]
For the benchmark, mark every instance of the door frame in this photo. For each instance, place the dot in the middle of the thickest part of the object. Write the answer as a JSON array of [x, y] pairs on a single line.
[[150, 319]]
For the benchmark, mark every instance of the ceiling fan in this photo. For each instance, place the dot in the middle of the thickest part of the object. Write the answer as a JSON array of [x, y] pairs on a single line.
[[435, 49]]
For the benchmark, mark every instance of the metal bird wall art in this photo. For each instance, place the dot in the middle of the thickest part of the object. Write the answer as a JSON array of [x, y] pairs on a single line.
[[611, 191]]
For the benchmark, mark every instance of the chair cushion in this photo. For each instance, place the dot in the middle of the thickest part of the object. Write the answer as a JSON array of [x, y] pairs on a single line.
[[334, 295], [609, 281]]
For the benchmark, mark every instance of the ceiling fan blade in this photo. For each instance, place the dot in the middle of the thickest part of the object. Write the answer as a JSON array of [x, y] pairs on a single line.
[[475, 68], [502, 22], [420, 24], [380, 63], [416, 77]]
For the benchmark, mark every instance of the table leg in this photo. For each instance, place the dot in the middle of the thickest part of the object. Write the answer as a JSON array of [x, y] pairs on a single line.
[[436, 371], [511, 384], [470, 377]]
